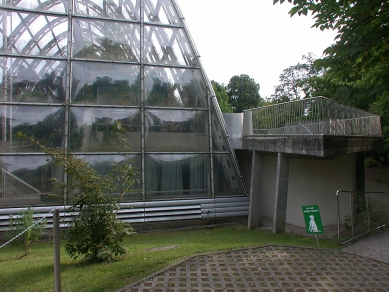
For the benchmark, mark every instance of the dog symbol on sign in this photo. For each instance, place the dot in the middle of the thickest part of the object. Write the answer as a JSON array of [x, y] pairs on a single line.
[[312, 224]]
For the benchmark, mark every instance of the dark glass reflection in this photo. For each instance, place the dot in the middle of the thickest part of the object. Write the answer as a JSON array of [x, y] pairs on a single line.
[[224, 175], [105, 164], [106, 40], [27, 181], [24, 82], [110, 84], [176, 130], [176, 176], [46, 124], [96, 129], [174, 87]]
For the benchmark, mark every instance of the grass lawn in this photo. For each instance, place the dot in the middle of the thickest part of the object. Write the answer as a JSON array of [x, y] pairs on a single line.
[[146, 255]]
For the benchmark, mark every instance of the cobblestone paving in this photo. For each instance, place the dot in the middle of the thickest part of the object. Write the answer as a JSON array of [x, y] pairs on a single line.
[[270, 268]]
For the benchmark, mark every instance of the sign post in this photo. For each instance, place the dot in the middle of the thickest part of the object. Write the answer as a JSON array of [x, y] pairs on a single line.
[[312, 220]]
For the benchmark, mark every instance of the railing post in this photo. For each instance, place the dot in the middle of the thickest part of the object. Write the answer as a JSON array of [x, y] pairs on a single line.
[[57, 260]]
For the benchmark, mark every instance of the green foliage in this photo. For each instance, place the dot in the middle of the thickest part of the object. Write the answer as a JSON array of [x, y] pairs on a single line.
[[357, 64], [222, 97], [95, 232], [22, 222], [297, 82], [243, 93]]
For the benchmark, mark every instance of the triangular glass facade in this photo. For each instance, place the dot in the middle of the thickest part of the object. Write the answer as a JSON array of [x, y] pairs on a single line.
[[71, 69]]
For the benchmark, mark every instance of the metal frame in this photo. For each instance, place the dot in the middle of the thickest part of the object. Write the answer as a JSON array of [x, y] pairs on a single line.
[[146, 23]]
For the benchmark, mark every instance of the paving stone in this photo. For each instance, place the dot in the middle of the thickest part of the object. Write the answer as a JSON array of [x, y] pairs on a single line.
[[270, 268]]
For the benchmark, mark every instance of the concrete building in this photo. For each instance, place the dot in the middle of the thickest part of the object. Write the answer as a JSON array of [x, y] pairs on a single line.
[[73, 69], [300, 153]]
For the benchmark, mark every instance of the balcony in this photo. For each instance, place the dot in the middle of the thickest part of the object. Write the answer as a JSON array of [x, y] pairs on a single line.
[[316, 126]]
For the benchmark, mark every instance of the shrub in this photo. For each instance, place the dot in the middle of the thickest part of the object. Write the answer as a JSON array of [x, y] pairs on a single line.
[[95, 232], [19, 224]]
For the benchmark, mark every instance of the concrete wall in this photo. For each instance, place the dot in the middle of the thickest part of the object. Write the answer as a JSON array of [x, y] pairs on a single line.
[[312, 181], [315, 182]]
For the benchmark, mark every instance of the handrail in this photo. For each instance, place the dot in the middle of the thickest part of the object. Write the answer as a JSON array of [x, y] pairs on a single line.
[[312, 116], [16, 182]]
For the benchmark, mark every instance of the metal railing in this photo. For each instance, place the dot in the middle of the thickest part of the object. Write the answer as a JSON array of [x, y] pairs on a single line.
[[11, 185], [360, 213], [311, 116]]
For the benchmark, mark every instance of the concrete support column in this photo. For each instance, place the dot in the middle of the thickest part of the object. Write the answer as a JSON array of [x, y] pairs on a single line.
[[360, 174], [255, 188], [281, 194]]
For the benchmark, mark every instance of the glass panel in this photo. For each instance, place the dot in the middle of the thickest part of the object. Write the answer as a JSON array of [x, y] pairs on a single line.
[[93, 129], [219, 140], [225, 177], [168, 46], [46, 124], [170, 176], [104, 164], [122, 9], [48, 5], [174, 87], [33, 34], [97, 83], [161, 11], [27, 181], [32, 80], [106, 40], [176, 130]]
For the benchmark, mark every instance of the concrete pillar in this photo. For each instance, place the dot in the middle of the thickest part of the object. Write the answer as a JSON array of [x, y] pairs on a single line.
[[281, 194], [255, 188], [360, 174]]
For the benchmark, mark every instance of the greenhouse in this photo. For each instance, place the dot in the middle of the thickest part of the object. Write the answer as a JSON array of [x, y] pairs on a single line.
[[71, 70]]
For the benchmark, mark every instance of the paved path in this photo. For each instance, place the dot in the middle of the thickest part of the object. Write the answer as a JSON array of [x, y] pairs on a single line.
[[362, 266], [373, 247], [270, 268]]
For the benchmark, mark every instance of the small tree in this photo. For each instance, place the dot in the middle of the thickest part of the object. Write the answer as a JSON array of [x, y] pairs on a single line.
[[95, 232], [243, 92], [21, 223]]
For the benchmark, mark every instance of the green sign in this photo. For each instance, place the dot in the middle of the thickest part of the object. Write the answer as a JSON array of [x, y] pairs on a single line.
[[312, 219]]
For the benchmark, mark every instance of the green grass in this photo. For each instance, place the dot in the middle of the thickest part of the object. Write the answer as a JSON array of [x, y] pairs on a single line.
[[35, 272]]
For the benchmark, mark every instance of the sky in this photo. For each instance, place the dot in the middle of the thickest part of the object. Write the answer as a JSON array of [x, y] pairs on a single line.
[[252, 37]]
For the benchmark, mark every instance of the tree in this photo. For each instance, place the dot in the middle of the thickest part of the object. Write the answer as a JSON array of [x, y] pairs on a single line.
[[361, 49], [243, 93], [357, 64], [222, 97], [296, 81], [95, 232]]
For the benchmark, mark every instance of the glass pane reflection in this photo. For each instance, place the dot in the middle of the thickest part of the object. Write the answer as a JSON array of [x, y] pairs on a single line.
[[46, 124], [174, 87], [95, 129], [34, 34], [48, 5], [106, 40], [161, 11], [32, 80], [27, 181], [176, 130], [96, 83], [225, 177], [105, 164], [170, 176], [168, 46], [121, 9]]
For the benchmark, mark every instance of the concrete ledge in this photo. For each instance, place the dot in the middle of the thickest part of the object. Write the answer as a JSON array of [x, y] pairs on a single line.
[[313, 145]]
